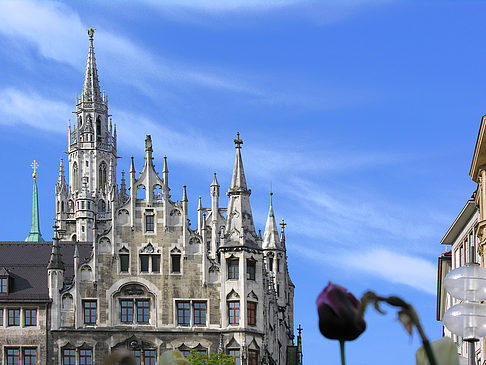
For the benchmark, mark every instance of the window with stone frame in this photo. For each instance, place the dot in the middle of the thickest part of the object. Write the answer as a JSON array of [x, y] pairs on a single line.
[[235, 353], [234, 312], [124, 259], [199, 309], [126, 313], [29, 355], [149, 222], [1, 317], [155, 263], [252, 357], [143, 310], [12, 355], [175, 261], [233, 269], [89, 310], [144, 263], [30, 317], [4, 285], [68, 356], [250, 269], [149, 357], [13, 316], [85, 356], [251, 308], [183, 313], [102, 176]]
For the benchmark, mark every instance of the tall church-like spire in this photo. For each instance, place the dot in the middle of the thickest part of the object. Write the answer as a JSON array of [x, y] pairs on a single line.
[[35, 235], [91, 89]]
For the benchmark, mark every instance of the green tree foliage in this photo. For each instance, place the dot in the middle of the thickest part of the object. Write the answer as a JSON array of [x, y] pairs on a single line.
[[197, 358]]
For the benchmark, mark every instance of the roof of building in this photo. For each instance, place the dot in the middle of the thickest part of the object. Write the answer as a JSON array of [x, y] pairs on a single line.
[[459, 223], [26, 264]]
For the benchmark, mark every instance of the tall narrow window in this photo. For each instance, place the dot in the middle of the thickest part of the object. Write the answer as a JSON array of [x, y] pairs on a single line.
[[102, 176], [149, 222], [233, 269], [124, 262], [199, 313], [143, 311], [1, 317], [85, 356], [98, 127], [144, 263], [155, 263], [89, 307], [126, 311], [149, 357], [14, 317], [183, 313], [252, 357], [3, 285], [68, 357], [13, 356], [235, 353], [30, 318], [251, 313], [30, 356], [176, 263], [278, 265], [250, 269], [270, 264], [75, 176], [137, 354], [234, 312]]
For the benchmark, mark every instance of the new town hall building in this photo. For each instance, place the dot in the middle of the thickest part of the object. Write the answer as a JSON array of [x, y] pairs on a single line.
[[126, 271]]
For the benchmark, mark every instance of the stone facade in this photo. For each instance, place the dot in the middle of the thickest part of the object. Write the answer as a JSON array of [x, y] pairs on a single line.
[[152, 283]]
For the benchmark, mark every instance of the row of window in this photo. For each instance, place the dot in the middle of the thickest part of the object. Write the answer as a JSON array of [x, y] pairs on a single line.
[[13, 317], [84, 356], [188, 313], [17, 355], [150, 263], [234, 269]]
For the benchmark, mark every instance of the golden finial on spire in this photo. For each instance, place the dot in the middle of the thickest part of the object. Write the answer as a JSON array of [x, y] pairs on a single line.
[[91, 32], [34, 165]]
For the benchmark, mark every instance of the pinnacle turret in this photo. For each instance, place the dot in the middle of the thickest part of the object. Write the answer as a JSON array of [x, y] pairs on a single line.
[[55, 262], [240, 230], [270, 237], [91, 89], [62, 179]]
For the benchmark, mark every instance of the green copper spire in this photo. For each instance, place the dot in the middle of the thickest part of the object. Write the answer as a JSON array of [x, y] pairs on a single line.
[[35, 235]]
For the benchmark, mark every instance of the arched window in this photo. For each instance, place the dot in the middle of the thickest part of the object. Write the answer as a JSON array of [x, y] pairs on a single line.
[[102, 176], [75, 176], [80, 122], [102, 206], [62, 207]]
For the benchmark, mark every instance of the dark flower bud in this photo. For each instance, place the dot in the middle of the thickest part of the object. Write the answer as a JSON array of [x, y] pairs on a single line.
[[338, 314]]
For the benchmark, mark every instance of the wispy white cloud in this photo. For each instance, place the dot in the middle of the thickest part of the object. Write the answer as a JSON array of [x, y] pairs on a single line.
[[31, 109], [386, 265]]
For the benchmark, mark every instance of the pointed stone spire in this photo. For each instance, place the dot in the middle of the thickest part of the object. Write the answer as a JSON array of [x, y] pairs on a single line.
[[270, 237], [215, 181], [91, 89], [240, 230], [123, 187], [62, 179], [35, 234], [282, 233], [238, 181], [132, 166], [165, 180], [55, 262], [184, 194]]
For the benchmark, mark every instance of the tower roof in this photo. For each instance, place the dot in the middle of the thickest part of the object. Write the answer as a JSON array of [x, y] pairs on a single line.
[[55, 261], [91, 89], [35, 234], [240, 230], [271, 240]]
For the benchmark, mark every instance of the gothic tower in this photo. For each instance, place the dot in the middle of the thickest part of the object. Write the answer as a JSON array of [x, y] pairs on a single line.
[[84, 206]]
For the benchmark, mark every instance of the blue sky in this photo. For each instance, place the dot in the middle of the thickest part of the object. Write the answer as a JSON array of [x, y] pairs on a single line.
[[362, 114]]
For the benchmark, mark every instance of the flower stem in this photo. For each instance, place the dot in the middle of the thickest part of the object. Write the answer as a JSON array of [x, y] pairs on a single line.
[[341, 343]]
